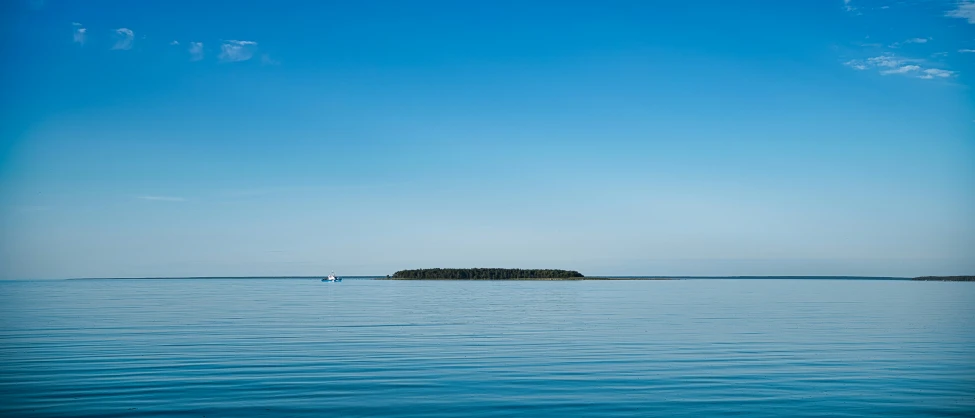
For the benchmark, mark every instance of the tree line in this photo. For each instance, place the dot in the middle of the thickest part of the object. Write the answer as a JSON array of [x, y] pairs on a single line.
[[484, 274], [947, 278]]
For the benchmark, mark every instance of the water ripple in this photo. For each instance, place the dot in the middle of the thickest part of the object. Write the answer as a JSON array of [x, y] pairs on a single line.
[[117, 348]]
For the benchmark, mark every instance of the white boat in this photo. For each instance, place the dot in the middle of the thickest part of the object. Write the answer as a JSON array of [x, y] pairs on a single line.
[[332, 278]]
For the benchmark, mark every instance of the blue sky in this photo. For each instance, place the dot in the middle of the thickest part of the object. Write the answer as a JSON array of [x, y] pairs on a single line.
[[178, 138]]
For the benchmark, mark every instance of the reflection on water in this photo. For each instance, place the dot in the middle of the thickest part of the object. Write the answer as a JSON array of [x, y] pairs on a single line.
[[581, 348]]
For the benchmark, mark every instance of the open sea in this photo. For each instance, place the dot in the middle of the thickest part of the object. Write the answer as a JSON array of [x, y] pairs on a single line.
[[300, 347]]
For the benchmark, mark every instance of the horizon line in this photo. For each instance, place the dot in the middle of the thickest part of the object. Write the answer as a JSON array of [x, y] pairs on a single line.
[[794, 277]]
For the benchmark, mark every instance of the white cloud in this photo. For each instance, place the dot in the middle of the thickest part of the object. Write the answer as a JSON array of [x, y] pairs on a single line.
[[856, 65], [234, 51], [888, 64], [847, 6], [934, 72], [965, 51], [889, 61], [965, 10], [901, 70], [916, 41], [174, 43], [162, 198], [79, 33], [196, 51], [123, 39]]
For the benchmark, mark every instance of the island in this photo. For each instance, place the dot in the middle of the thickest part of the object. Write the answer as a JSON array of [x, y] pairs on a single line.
[[486, 274], [946, 278]]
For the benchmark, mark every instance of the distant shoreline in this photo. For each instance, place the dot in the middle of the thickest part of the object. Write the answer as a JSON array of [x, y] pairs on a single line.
[[532, 279], [945, 278], [486, 273]]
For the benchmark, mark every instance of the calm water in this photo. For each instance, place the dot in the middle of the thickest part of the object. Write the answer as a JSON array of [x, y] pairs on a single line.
[[389, 348]]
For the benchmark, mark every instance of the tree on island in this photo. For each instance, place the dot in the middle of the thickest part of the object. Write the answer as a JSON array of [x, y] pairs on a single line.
[[485, 274]]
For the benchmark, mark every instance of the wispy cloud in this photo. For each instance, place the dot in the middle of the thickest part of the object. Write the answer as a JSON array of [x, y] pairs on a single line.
[[889, 64], [965, 10], [162, 198], [234, 51], [847, 6], [910, 41], [856, 65], [901, 70], [123, 39], [267, 60], [196, 51], [934, 72], [229, 50], [966, 51], [888, 61], [79, 33]]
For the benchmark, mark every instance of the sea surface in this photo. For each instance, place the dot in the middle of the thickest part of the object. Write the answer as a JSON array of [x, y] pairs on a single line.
[[300, 347]]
